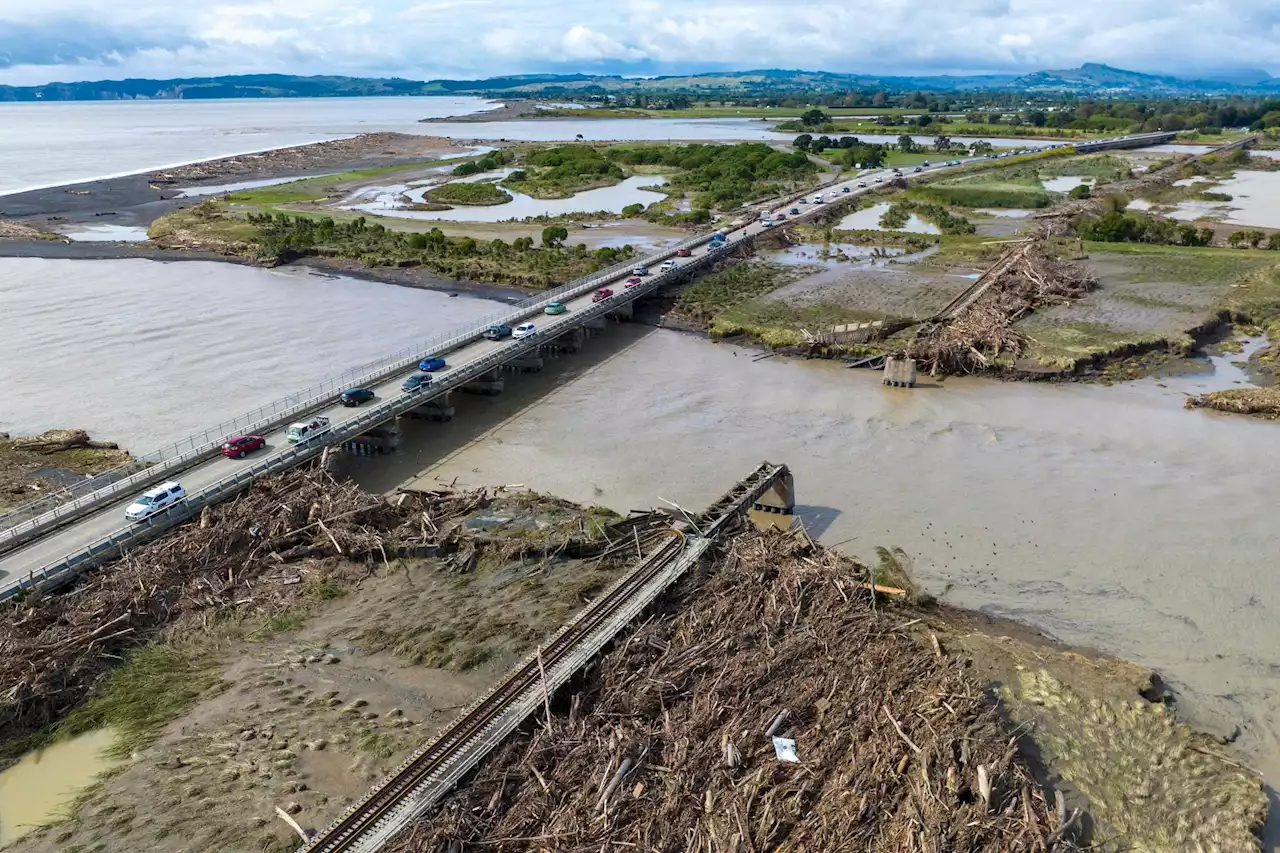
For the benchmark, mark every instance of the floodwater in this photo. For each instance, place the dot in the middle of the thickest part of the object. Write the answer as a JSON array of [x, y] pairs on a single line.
[[1065, 183], [105, 233], [1005, 212], [868, 219], [1108, 517], [659, 130], [51, 144], [1255, 201], [612, 199], [144, 353], [33, 791]]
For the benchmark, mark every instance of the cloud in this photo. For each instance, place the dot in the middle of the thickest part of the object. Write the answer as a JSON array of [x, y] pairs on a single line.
[[79, 39]]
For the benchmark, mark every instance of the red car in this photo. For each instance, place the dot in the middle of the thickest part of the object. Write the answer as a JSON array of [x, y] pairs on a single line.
[[780, 217], [601, 295], [682, 253], [634, 280], [242, 445]]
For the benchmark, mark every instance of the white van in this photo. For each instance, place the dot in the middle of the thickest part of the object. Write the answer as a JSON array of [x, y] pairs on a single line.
[[154, 500]]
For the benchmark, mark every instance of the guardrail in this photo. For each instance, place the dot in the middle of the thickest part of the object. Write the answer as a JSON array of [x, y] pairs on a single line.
[[65, 568], [31, 520]]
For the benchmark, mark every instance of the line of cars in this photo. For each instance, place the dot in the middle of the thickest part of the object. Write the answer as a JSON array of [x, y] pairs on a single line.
[[168, 494]]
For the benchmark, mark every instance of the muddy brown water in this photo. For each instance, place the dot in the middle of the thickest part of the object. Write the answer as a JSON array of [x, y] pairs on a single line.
[[36, 790], [1109, 517]]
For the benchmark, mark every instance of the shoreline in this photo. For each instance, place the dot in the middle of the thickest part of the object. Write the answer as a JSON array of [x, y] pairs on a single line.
[[138, 199]]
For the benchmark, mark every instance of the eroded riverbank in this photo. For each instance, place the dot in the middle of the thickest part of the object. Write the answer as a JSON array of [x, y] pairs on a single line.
[[1036, 502]]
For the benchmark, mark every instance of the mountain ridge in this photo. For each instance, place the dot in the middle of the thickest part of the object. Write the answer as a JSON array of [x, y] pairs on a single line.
[[1089, 79]]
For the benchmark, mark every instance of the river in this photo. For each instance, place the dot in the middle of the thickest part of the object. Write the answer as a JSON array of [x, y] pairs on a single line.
[[144, 353], [1108, 517], [44, 145]]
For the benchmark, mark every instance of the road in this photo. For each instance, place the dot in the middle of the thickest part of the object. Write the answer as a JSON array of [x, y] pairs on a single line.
[[103, 522]]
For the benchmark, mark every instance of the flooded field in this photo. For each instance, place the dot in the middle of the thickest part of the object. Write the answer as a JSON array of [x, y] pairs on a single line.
[[1066, 183], [869, 219], [106, 233], [111, 346], [611, 199], [1255, 201], [34, 791], [1035, 502]]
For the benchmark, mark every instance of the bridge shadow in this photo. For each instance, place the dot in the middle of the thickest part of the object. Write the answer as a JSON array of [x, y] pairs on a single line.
[[424, 444], [816, 519]]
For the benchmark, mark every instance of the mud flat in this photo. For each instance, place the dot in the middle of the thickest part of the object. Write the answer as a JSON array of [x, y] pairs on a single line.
[[33, 466], [137, 200], [351, 627]]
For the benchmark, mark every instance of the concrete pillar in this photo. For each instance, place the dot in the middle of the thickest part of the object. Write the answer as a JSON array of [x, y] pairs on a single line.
[[900, 372], [624, 311], [487, 383], [776, 507], [595, 324], [530, 362]]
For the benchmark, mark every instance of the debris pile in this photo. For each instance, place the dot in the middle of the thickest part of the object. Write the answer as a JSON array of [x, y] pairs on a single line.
[[775, 709], [1262, 402], [975, 335], [259, 553]]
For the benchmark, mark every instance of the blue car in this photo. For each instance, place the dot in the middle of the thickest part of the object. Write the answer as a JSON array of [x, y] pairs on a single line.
[[416, 382], [432, 364]]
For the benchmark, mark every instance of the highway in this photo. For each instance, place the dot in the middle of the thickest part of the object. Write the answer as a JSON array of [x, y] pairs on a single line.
[[109, 520]]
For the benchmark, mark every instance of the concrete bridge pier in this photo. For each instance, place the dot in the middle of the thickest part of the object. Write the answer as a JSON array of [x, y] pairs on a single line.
[[570, 342], [490, 383], [595, 324], [376, 442], [622, 312], [900, 372], [529, 362], [439, 409], [776, 507]]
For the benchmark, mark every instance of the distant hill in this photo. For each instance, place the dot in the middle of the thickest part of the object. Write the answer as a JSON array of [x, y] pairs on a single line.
[[1089, 79], [1093, 78]]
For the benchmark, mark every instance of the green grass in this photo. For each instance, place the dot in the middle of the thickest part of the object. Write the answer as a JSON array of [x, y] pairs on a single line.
[[208, 221], [1102, 166], [154, 685], [477, 193], [779, 113], [777, 324], [731, 286], [991, 194], [903, 160], [1063, 344], [1187, 264]]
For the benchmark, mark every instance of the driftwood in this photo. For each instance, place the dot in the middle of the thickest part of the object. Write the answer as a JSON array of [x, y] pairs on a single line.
[[890, 735], [57, 440], [1025, 278]]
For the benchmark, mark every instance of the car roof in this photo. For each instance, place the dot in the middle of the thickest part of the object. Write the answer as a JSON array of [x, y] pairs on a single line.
[[160, 489]]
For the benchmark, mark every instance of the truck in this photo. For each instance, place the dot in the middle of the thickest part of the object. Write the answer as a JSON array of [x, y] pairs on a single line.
[[306, 430]]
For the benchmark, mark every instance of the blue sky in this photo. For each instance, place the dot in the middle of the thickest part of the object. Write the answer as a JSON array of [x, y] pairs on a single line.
[[91, 39]]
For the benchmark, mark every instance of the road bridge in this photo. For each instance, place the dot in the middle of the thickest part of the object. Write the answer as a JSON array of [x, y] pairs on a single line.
[[48, 541]]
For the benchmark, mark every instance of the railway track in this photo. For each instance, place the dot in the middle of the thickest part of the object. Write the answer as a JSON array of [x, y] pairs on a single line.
[[428, 774]]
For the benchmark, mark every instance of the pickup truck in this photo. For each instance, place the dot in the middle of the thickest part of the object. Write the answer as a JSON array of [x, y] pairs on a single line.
[[306, 430]]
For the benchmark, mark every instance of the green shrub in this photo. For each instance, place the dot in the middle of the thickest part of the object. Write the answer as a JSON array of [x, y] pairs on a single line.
[[468, 193]]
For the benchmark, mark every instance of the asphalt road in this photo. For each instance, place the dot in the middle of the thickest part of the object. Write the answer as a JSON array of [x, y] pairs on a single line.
[[80, 534]]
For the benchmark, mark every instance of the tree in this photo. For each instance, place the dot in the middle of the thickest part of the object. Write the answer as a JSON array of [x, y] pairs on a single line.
[[847, 142], [517, 176], [981, 147], [822, 143], [995, 118], [803, 141], [907, 145], [814, 118], [879, 99], [1081, 191], [554, 235], [942, 142], [522, 244]]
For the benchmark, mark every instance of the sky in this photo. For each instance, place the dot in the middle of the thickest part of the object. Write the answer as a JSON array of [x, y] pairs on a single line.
[[67, 40]]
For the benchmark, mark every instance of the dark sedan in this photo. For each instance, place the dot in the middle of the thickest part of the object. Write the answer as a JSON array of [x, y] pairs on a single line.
[[356, 396]]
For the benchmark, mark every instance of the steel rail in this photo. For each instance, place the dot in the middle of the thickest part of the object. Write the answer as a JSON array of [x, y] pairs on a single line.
[[451, 753]]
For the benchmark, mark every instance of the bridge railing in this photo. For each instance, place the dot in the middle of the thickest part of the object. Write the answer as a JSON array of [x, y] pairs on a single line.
[[68, 566], [28, 520]]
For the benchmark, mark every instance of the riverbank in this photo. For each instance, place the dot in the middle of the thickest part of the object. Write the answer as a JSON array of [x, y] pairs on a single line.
[[34, 466], [136, 201], [322, 672]]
